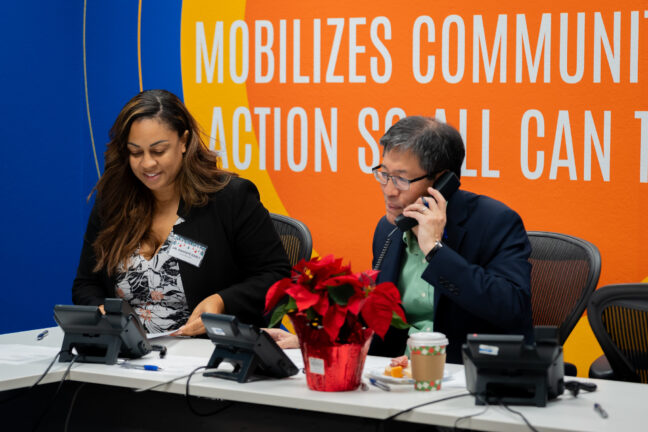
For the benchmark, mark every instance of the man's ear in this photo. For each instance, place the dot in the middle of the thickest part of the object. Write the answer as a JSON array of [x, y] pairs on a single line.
[[439, 174]]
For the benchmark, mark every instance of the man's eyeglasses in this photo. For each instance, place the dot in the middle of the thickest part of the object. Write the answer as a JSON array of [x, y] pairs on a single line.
[[400, 183]]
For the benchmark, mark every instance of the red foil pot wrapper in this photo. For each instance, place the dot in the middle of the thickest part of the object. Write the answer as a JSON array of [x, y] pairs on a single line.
[[331, 366]]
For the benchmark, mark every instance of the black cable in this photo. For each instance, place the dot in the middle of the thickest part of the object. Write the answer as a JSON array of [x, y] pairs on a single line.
[[506, 406], [456, 423], [69, 413], [520, 414], [381, 256], [161, 348], [27, 390], [392, 417], [501, 403], [575, 387], [46, 411], [487, 405], [46, 370], [66, 374], [143, 389], [188, 398]]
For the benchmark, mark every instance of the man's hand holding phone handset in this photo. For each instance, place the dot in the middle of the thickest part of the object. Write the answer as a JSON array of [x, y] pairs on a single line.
[[430, 213]]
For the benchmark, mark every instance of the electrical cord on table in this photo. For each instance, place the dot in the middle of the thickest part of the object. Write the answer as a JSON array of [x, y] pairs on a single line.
[[69, 413], [187, 394], [37, 381], [457, 421], [188, 398], [47, 409]]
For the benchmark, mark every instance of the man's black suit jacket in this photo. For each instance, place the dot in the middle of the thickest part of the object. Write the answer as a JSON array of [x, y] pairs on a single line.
[[481, 277]]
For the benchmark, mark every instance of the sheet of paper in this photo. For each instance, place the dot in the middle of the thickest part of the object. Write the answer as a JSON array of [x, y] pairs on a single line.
[[159, 335], [295, 355], [171, 364], [456, 380], [17, 354], [376, 363]]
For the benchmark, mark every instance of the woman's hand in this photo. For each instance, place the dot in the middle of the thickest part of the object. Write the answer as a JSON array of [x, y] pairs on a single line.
[[194, 325], [284, 339]]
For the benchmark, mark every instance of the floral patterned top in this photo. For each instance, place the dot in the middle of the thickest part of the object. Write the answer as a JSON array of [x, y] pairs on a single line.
[[154, 290]]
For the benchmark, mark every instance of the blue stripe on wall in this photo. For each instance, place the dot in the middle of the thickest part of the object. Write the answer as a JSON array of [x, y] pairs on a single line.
[[161, 62], [47, 167], [111, 60], [41, 125]]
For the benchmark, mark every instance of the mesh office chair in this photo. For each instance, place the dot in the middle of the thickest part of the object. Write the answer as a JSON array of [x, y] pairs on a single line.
[[564, 274], [297, 242], [295, 236], [618, 315]]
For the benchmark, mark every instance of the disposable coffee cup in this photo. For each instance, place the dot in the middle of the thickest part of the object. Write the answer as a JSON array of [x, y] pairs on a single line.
[[428, 356]]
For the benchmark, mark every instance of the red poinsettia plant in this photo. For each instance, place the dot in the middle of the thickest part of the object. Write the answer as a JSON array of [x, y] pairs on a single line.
[[331, 297]]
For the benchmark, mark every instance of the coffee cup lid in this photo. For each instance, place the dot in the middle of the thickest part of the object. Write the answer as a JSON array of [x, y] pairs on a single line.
[[432, 338]]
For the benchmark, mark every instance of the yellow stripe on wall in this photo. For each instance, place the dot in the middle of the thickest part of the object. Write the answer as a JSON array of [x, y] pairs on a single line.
[[139, 45], [201, 98]]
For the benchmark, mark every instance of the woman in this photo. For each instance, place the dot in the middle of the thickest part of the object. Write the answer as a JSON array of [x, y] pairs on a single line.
[[170, 232]]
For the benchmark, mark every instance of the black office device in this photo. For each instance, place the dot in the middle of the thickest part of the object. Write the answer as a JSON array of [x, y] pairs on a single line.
[[99, 338], [502, 368], [252, 352]]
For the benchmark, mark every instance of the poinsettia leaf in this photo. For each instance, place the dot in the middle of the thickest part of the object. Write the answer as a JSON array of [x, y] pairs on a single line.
[[278, 313], [321, 306], [341, 293], [329, 267], [303, 297], [389, 291], [398, 322], [377, 316], [333, 320], [276, 292], [291, 305], [356, 303], [334, 298], [380, 306], [373, 274], [398, 311]]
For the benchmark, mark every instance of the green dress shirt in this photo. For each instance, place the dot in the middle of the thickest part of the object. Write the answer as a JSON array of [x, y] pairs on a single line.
[[417, 295]]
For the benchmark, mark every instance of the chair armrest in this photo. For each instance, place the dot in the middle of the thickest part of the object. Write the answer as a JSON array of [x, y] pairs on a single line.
[[601, 369]]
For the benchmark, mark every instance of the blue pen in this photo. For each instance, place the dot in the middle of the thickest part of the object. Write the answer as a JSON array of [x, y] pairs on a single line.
[[380, 385], [42, 335], [141, 367], [599, 409]]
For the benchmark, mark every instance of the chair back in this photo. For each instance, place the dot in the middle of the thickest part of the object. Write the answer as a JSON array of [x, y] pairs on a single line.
[[564, 274], [618, 315], [295, 236]]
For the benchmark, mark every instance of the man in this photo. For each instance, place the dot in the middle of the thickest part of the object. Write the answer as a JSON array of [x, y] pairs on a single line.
[[464, 268]]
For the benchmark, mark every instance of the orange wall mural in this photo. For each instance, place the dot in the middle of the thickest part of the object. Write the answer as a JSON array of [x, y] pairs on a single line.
[[551, 100]]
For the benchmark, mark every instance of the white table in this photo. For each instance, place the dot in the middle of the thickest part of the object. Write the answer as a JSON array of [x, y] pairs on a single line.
[[626, 403]]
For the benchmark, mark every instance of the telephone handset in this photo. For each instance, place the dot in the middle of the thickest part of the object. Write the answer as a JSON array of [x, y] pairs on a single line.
[[447, 184]]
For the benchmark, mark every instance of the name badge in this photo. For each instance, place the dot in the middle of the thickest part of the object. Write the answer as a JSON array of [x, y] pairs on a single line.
[[186, 249]]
